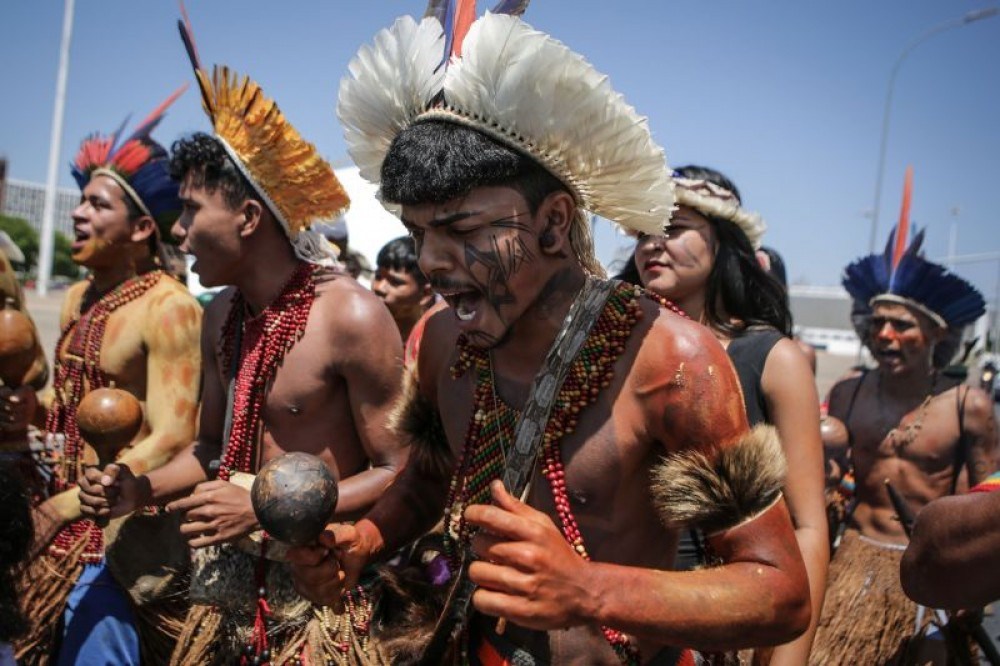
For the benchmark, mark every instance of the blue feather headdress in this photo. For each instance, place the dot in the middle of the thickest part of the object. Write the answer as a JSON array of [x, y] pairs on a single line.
[[138, 164], [902, 275]]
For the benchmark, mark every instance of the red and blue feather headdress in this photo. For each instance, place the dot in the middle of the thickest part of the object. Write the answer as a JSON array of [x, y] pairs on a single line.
[[138, 164], [902, 275]]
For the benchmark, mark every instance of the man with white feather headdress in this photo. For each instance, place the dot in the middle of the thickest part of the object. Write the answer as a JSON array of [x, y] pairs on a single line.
[[612, 421]]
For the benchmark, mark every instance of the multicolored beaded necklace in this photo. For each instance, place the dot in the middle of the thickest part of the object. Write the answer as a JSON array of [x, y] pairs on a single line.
[[492, 426], [77, 371], [263, 342]]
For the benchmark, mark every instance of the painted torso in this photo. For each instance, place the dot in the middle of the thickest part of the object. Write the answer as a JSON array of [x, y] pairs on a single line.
[[913, 443], [608, 458]]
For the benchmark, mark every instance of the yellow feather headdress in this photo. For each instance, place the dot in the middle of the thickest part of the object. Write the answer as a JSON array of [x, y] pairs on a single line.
[[298, 186]]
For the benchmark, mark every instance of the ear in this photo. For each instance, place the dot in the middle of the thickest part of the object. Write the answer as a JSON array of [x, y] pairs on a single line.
[[251, 215], [142, 228], [937, 333], [557, 212]]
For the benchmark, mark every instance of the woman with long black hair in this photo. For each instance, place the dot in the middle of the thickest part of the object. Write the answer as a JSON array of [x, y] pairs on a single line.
[[706, 263]]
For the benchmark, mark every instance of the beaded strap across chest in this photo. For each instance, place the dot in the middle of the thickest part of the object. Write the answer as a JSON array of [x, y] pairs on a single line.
[[589, 368]]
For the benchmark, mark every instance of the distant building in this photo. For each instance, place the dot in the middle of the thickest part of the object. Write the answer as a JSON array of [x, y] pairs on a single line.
[[27, 200], [822, 317]]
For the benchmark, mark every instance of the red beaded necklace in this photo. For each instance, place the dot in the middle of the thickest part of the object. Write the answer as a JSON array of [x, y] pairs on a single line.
[[78, 371], [261, 343], [264, 341], [483, 456]]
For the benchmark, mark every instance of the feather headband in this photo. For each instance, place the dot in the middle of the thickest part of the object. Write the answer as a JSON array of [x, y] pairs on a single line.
[[138, 164], [520, 87], [715, 201], [945, 298], [297, 185], [901, 275]]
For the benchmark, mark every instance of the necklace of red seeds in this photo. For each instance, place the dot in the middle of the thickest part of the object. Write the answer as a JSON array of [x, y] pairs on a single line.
[[666, 303], [482, 457], [265, 340], [73, 378]]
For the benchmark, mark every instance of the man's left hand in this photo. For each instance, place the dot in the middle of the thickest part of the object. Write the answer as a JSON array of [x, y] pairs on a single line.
[[527, 572], [215, 512]]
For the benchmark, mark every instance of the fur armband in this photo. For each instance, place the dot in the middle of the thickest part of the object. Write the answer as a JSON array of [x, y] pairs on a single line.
[[717, 492], [418, 421]]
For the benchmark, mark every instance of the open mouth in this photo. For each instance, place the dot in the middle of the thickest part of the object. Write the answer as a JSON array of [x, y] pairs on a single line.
[[80, 239], [888, 355], [465, 304]]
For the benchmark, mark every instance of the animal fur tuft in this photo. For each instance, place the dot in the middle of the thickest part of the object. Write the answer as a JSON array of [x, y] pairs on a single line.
[[408, 606], [415, 418], [721, 489]]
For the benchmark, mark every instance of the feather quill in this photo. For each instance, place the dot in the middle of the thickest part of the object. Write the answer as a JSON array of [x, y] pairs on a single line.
[[926, 285], [511, 7], [204, 85], [903, 228], [150, 122]]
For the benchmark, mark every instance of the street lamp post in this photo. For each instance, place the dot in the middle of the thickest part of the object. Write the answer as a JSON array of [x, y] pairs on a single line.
[[47, 239], [971, 17]]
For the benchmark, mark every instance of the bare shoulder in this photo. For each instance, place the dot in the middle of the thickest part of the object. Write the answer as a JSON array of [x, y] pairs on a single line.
[[841, 394], [687, 387], [215, 313], [172, 316], [785, 358], [349, 312], [71, 303], [978, 410], [169, 294], [437, 350], [674, 342]]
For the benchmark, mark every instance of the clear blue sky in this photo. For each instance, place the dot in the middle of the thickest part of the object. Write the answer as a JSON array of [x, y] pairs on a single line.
[[785, 96]]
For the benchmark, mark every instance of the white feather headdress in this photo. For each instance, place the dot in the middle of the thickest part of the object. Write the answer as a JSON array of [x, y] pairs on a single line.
[[522, 88]]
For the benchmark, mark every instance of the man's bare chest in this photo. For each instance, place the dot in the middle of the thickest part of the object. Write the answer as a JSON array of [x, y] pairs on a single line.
[[116, 344], [926, 435], [297, 389], [604, 461]]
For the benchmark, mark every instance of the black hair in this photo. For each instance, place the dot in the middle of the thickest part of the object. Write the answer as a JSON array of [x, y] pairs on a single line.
[[435, 161], [629, 273], [131, 207], [210, 167], [133, 213], [740, 293], [777, 266], [16, 533], [400, 254]]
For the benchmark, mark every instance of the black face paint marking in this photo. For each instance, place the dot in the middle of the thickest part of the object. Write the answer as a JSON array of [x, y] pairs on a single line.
[[495, 289]]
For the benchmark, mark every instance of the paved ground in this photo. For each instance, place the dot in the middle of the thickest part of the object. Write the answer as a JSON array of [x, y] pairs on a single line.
[[45, 311]]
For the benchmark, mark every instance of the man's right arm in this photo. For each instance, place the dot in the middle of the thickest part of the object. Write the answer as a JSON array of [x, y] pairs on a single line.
[[408, 509]]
